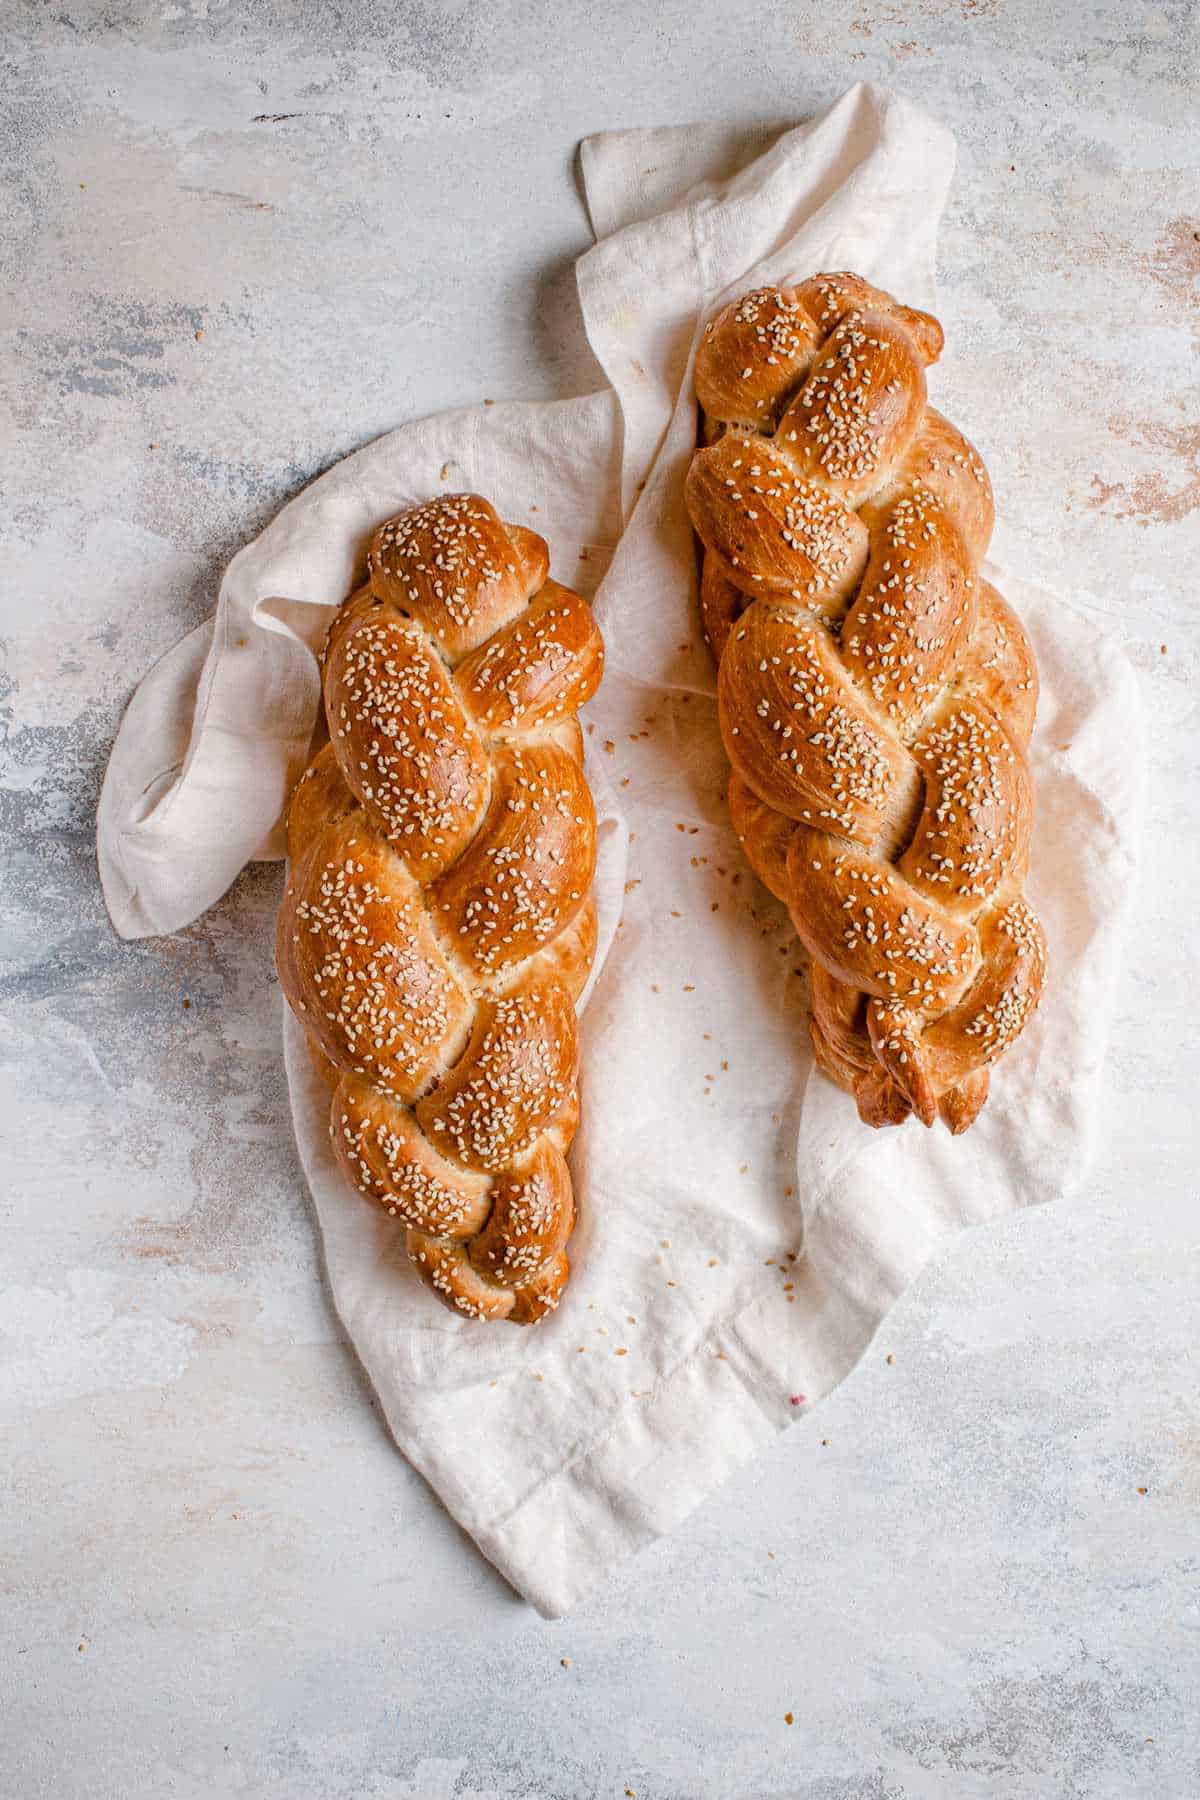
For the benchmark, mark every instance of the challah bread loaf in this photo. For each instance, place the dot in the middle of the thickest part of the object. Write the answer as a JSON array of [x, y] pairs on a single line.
[[438, 924], [875, 695]]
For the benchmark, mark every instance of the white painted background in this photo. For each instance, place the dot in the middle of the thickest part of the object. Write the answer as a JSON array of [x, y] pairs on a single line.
[[219, 1578]]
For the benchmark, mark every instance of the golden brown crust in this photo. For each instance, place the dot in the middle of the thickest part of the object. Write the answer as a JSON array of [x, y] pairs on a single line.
[[382, 1148], [860, 406], [972, 838], [320, 796], [569, 956], [490, 1109], [830, 297], [722, 603], [454, 567], [752, 355], [531, 1219], [808, 747], [875, 695], [438, 923], [400, 734], [366, 971], [871, 929], [998, 665], [771, 530], [916, 606], [758, 348], [539, 669], [943, 463], [764, 834], [525, 874]]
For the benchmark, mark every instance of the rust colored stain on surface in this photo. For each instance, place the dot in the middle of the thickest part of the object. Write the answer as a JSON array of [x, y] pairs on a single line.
[[1175, 264], [1150, 499]]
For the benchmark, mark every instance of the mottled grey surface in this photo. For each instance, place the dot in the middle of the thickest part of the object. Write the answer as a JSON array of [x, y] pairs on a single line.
[[220, 1577]]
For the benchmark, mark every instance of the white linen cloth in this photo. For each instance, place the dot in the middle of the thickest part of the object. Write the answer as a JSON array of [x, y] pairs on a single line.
[[741, 1234]]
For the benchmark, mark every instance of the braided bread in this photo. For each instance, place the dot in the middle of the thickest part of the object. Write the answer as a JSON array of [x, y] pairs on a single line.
[[875, 695], [438, 924]]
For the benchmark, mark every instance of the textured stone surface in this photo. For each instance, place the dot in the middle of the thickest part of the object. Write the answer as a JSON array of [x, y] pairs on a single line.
[[239, 240]]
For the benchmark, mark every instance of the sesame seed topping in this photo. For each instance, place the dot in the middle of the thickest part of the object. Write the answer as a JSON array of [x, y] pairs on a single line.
[[891, 719], [432, 927]]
